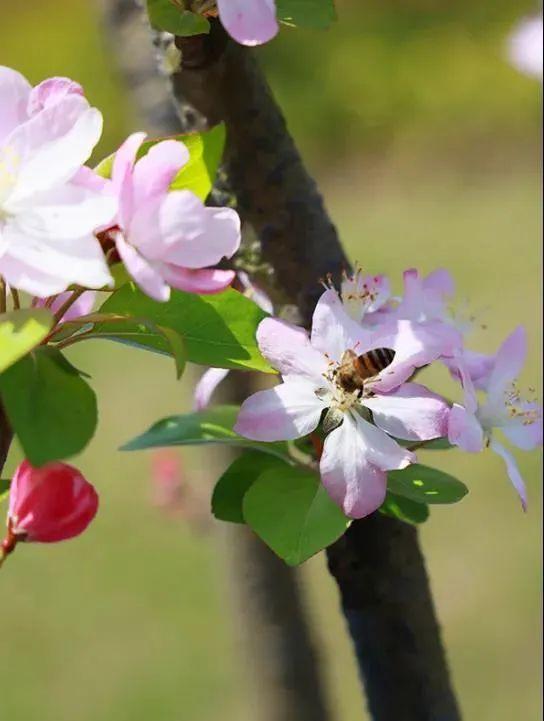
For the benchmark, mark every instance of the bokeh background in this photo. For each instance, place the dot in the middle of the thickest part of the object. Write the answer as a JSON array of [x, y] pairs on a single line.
[[426, 143]]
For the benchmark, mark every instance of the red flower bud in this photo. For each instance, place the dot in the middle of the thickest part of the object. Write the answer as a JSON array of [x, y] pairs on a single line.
[[48, 504]]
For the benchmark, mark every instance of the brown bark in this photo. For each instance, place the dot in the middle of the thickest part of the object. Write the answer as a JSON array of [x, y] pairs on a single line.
[[378, 564]]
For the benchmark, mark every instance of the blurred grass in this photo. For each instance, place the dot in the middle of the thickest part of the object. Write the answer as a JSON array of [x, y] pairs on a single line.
[[422, 138]]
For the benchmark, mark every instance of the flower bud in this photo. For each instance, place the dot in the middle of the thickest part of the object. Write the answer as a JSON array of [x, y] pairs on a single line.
[[48, 504]]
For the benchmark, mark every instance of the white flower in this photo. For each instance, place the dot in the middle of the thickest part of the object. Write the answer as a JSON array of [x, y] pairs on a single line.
[[47, 217]]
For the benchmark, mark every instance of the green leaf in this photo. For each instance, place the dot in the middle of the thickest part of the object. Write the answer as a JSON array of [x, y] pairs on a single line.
[[177, 348], [404, 509], [213, 425], [172, 18], [21, 331], [229, 491], [197, 175], [317, 14], [206, 151], [426, 485], [217, 330], [437, 444], [4, 488], [51, 408], [292, 513]]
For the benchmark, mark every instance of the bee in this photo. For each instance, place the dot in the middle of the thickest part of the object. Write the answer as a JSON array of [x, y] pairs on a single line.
[[355, 369]]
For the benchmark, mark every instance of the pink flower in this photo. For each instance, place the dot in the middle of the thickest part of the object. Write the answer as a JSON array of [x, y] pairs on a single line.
[[168, 238], [358, 448], [525, 46], [82, 306], [47, 218], [472, 426], [249, 22], [48, 504]]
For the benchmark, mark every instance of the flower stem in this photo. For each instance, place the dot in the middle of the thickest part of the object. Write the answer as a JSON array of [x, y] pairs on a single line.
[[16, 299], [2, 296], [78, 292]]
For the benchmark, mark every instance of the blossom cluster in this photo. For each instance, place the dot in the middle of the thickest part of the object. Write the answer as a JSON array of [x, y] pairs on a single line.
[[349, 384], [373, 422], [62, 225]]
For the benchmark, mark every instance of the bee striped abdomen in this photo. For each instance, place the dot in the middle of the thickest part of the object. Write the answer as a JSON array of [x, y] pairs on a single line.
[[373, 362]]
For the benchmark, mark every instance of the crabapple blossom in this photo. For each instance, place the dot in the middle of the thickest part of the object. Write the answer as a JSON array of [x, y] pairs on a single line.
[[168, 237], [210, 379], [47, 217], [48, 504], [472, 426], [249, 22], [368, 298], [359, 449]]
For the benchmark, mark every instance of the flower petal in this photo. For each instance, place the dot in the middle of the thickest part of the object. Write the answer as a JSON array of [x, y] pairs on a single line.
[[525, 433], [256, 294], [154, 172], [82, 306], [415, 345], [464, 430], [65, 213], [249, 22], [32, 280], [288, 411], [381, 450], [333, 331], [352, 482], [121, 176], [51, 91], [146, 276], [509, 361], [478, 366], [14, 92], [512, 470], [46, 267], [440, 281], [287, 348], [206, 386], [412, 412], [177, 228], [423, 299], [206, 280], [50, 148]]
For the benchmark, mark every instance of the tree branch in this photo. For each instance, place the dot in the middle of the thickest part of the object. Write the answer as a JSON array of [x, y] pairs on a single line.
[[378, 564]]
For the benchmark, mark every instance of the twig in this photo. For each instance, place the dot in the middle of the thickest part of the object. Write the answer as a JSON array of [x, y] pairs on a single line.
[[69, 302], [16, 300], [2, 296]]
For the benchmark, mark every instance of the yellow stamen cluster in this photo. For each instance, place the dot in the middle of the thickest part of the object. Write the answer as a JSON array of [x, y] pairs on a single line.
[[514, 405]]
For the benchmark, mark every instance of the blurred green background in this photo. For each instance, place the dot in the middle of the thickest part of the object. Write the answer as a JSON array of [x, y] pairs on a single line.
[[426, 143]]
